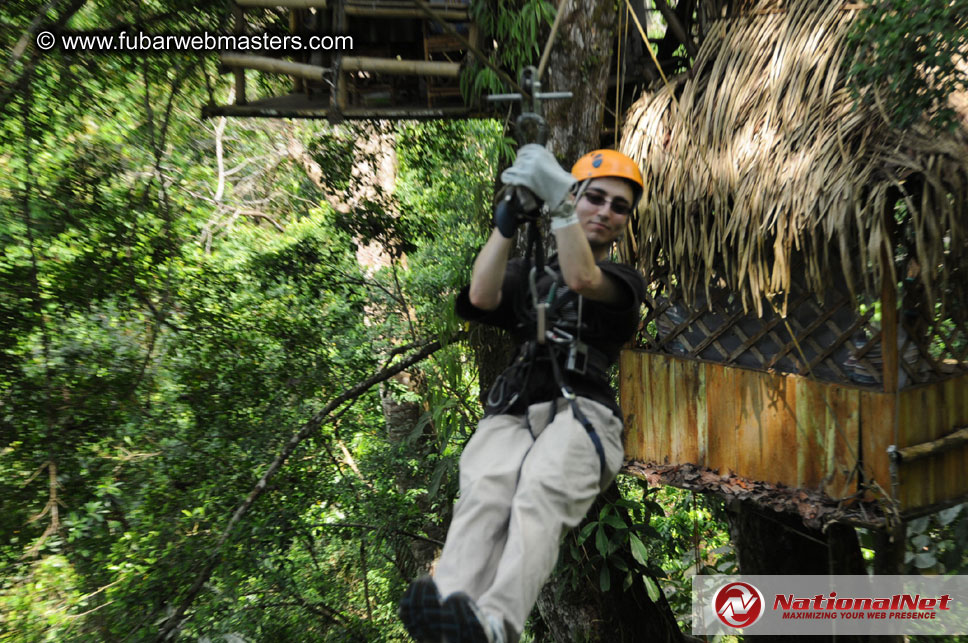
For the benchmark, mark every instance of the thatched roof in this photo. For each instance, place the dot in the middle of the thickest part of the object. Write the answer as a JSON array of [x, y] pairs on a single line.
[[765, 156]]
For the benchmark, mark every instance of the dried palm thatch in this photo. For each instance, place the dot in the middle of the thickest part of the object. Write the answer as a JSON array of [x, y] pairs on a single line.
[[760, 161]]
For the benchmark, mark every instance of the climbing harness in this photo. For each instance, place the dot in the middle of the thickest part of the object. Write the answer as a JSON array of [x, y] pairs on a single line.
[[562, 347]]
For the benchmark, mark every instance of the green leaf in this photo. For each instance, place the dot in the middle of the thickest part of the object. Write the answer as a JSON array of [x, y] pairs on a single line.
[[651, 588], [639, 552], [575, 552], [419, 427], [586, 531], [918, 526], [925, 560], [604, 578], [601, 541], [444, 466], [615, 521], [654, 507], [947, 516]]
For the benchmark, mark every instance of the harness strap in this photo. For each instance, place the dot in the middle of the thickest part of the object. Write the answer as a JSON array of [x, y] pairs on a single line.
[[569, 395]]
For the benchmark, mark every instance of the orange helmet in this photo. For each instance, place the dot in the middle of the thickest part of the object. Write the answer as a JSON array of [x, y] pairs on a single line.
[[602, 163]]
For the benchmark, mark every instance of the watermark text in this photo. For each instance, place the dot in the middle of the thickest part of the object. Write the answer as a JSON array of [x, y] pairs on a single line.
[[140, 42]]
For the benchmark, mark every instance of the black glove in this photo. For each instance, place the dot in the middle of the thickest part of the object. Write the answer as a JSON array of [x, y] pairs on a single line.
[[513, 206]]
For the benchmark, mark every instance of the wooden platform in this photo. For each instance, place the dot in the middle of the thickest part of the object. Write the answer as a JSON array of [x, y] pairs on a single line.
[[397, 60], [786, 429]]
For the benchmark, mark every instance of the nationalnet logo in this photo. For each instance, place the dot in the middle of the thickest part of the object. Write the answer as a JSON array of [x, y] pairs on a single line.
[[830, 605], [738, 604], [896, 607]]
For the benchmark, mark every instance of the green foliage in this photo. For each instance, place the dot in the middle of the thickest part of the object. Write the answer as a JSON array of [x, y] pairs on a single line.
[[693, 538], [909, 56], [518, 27], [659, 537], [334, 151], [41, 603], [937, 543], [167, 325]]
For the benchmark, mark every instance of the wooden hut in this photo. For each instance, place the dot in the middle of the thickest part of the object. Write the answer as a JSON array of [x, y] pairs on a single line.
[[374, 59], [806, 344]]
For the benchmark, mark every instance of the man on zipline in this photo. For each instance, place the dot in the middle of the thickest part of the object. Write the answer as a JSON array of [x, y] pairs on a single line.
[[551, 437]]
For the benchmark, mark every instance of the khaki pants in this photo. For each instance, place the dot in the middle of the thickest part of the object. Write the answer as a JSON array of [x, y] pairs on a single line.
[[520, 489]]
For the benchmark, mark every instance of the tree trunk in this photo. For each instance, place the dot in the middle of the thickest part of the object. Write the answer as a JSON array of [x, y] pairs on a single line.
[[579, 63], [772, 543]]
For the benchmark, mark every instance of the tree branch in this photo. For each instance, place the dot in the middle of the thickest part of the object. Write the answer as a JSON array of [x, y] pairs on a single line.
[[15, 85], [171, 624], [359, 525], [21, 46]]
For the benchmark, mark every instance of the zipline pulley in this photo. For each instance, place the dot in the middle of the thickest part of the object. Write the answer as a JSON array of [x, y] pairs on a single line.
[[530, 126]]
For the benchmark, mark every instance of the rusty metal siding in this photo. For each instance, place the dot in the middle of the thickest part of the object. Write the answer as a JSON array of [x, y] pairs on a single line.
[[808, 435], [877, 428], [676, 393], [926, 413], [770, 427], [782, 428]]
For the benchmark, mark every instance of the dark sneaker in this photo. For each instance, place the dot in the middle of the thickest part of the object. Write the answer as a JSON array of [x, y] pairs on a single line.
[[424, 615], [473, 625]]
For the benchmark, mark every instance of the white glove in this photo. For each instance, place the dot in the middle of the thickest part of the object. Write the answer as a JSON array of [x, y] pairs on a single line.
[[564, 215], [535, 168]]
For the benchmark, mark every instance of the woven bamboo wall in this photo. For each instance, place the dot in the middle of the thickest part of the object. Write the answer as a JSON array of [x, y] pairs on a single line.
[[829, 340]]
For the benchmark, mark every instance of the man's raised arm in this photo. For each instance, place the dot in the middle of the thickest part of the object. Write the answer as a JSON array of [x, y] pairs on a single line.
[[488, 273]]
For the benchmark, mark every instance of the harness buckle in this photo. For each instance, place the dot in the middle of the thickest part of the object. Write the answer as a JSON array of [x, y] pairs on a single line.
[[577, 361]]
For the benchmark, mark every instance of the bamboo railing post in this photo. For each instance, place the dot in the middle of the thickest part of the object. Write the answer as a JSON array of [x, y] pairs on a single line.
[[298, 84], [240, 97], [889, 555], [338, 100], [364, 11], [286, 4], [401, 67], [340, 91], [274, 66], [889, 347], [949, 442]]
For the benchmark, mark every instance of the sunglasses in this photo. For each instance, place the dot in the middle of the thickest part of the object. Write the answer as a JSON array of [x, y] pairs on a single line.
[[617, 205]]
